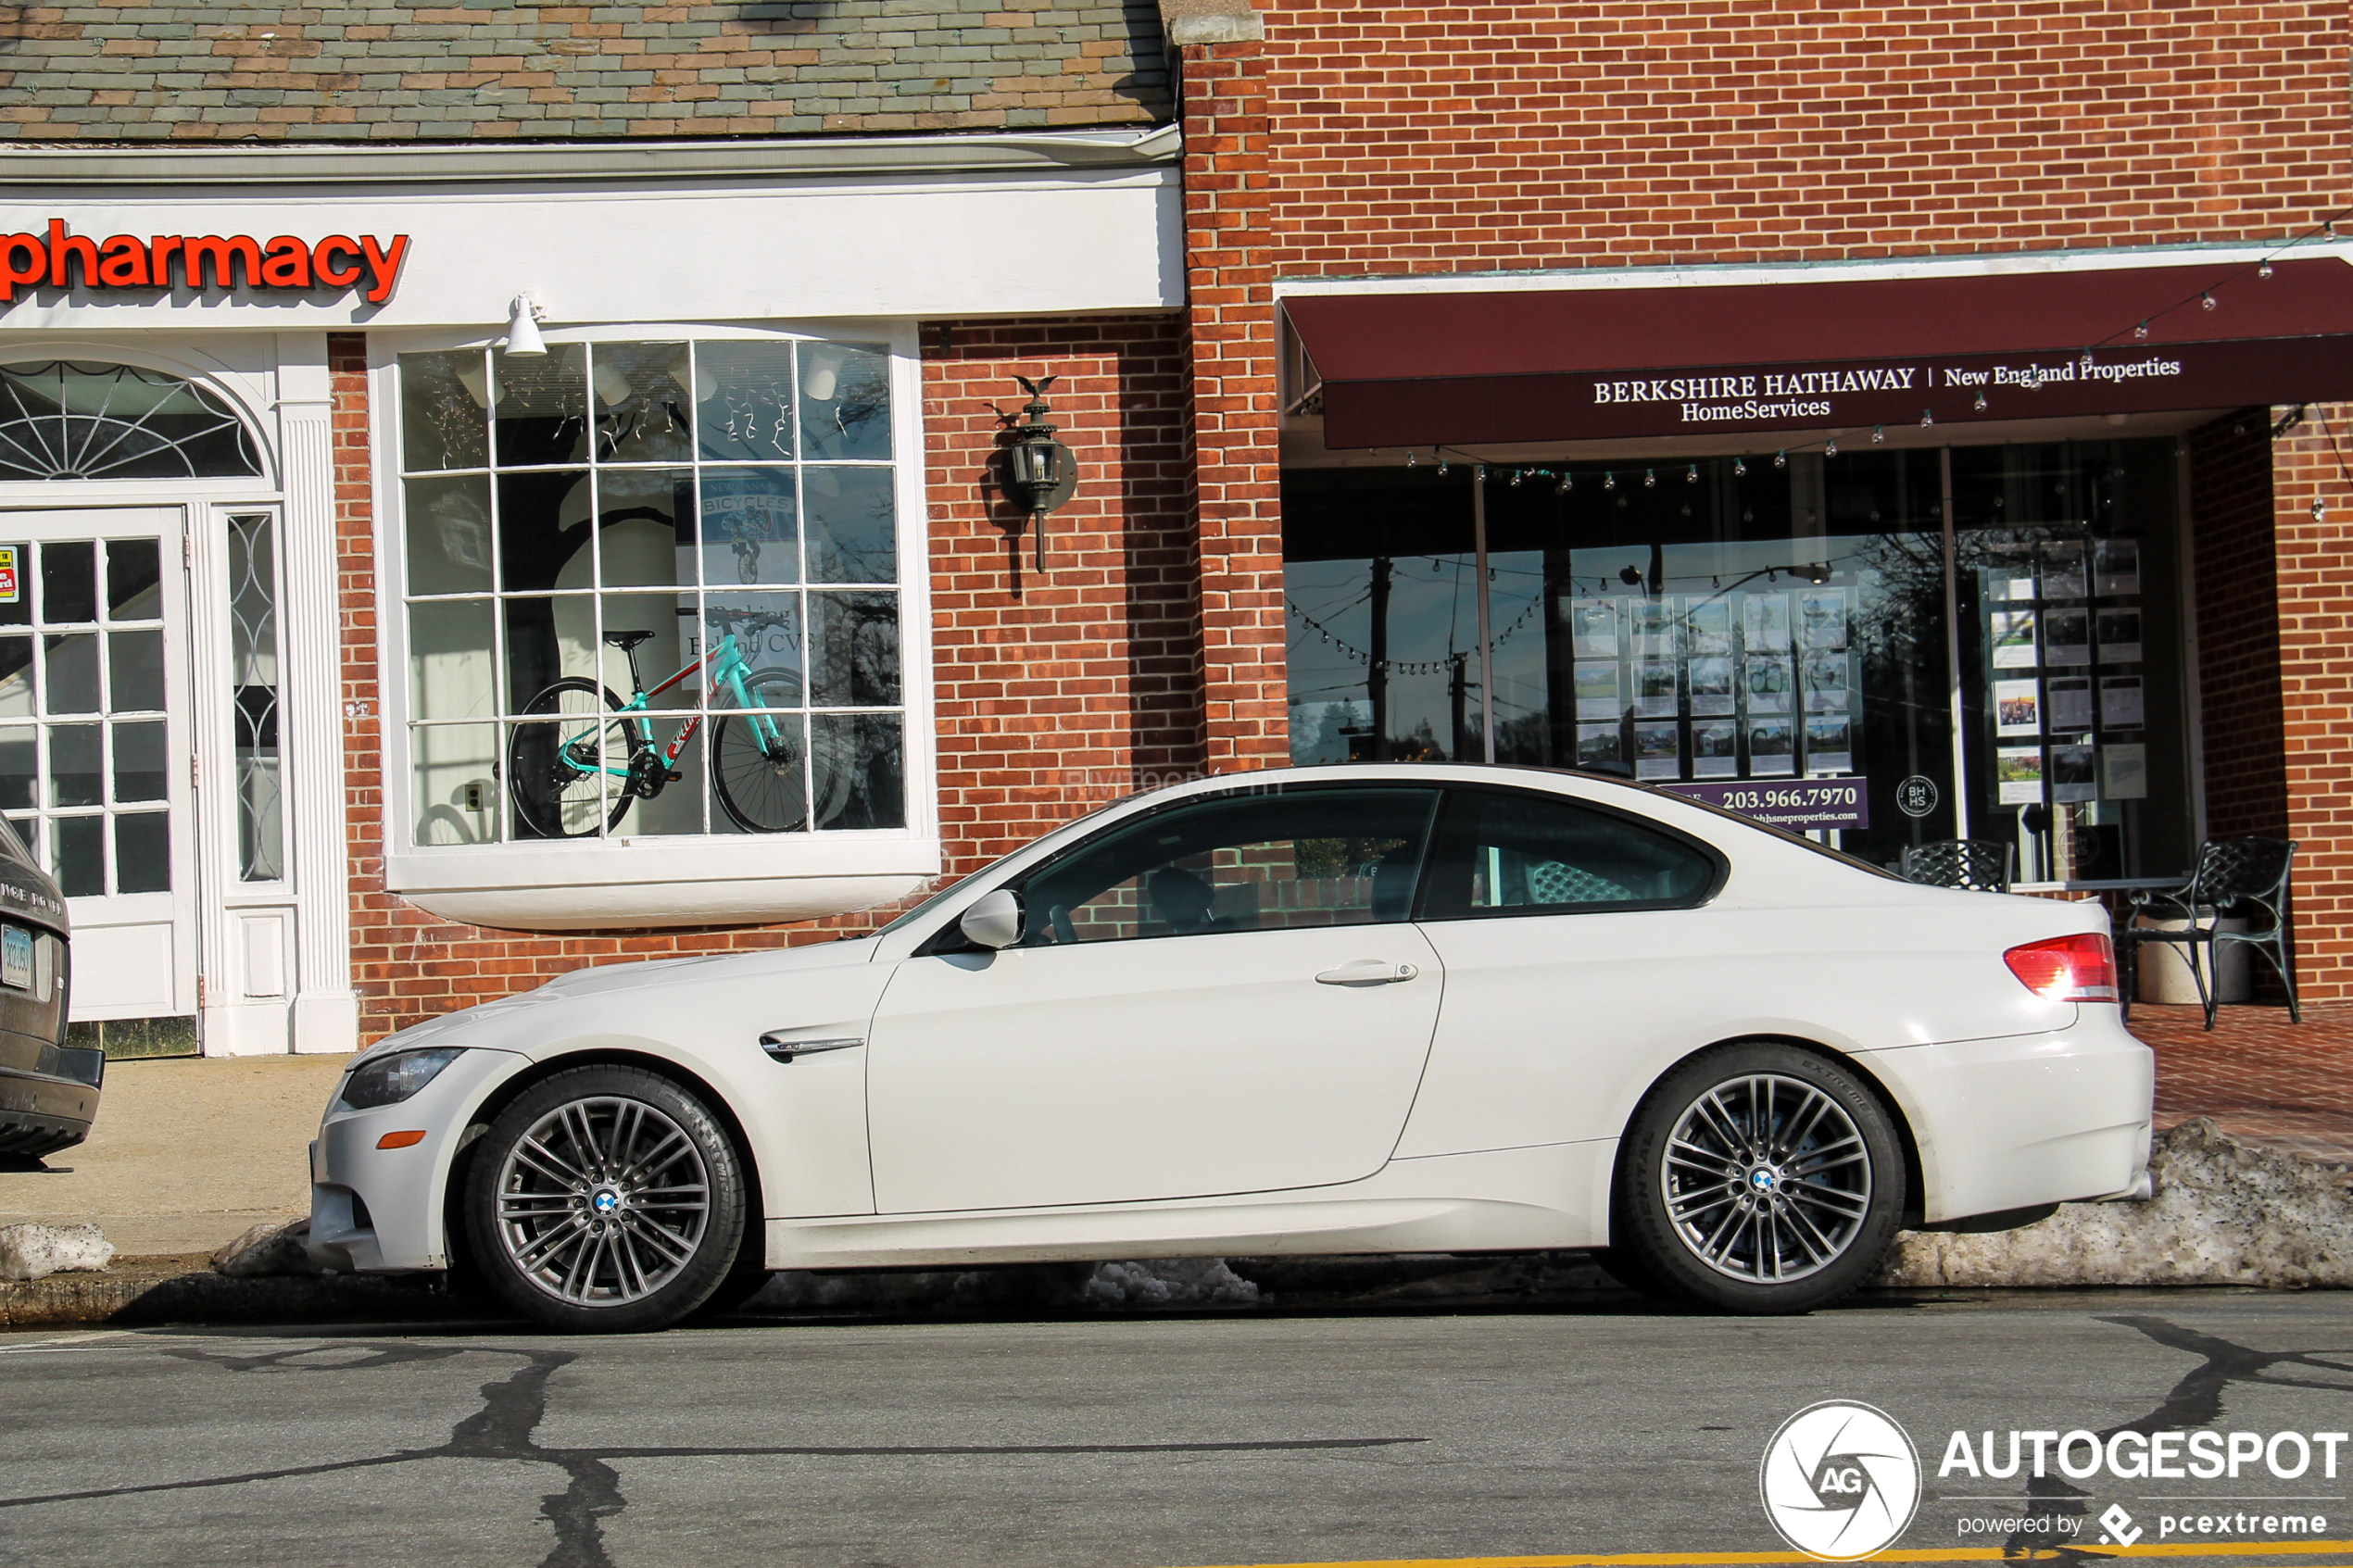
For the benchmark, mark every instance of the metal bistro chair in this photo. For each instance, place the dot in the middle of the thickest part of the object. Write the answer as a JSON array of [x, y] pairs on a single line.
[[2244, 876], [1982, 865]]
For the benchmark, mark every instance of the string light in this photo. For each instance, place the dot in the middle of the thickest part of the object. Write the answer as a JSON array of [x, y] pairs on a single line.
[[1928, 418], [2204, 300], [1441, 465], [2264, 270], [1781, 458], [1829, 447], [1980, 402], [1650, 479], [1411, 460], [1609, 479], [1568, 483], [1740, 468], [1692, 477], [2141, 331], [1878, 433]]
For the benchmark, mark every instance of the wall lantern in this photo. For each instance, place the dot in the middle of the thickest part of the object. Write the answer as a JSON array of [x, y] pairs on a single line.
[[1039, 474]]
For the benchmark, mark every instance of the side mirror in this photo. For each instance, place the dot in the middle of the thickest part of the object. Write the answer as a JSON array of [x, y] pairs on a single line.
[[994, 919]]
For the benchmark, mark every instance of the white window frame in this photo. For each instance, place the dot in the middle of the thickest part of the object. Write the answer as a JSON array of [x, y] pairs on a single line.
[[647, 880]]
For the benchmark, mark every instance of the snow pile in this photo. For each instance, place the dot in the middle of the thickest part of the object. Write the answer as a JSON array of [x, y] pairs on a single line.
[[274, 1246], [1169, 1281], [38, 1251], [2225, 1213]]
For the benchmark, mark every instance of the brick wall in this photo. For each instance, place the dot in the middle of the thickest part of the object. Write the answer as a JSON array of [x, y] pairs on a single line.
[[2237, 609], [138, 70], [1063, 692], [1055, 694], [2312, 463], [1564, 134], [1230, 335]]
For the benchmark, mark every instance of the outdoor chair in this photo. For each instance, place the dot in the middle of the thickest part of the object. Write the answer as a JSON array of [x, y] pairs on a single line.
[[2234, 877], [1982, 865]]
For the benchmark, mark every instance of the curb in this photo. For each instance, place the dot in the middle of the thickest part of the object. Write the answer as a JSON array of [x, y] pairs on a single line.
[[139, 1291]]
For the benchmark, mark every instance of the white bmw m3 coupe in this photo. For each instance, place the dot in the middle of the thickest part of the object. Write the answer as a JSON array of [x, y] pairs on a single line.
[[1349, 1009]]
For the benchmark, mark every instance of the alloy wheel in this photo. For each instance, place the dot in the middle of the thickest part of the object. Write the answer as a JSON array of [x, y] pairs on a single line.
[[1767, 1179], [602, 1200]]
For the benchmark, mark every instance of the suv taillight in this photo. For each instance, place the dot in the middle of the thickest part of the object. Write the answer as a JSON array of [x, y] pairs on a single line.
[[2067, 969]]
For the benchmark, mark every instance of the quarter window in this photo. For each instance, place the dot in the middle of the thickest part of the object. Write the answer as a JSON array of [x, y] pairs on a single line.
[[1510, 853], [711, 523], [1253, 862]]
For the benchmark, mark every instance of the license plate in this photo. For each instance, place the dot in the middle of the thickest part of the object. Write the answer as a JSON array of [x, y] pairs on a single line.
[[16, 957]]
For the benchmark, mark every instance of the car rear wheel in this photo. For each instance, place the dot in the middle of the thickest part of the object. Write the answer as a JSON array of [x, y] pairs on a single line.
[[1760, 1178], [606, 1199]]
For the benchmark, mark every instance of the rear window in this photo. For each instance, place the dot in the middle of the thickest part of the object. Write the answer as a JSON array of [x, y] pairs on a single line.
[[1505, 851]]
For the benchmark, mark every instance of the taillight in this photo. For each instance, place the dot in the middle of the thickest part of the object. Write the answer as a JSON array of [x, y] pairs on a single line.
[[2067, 969]]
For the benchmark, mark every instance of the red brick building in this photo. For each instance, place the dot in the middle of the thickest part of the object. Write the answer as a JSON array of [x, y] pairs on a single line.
[[1785, 393]]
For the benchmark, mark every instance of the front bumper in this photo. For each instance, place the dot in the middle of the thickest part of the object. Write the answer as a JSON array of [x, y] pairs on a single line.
[[379, 1211], [2028, 1120]]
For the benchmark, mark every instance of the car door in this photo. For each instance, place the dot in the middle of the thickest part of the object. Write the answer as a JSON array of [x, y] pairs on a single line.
[[1224, 996], [1576, 939]]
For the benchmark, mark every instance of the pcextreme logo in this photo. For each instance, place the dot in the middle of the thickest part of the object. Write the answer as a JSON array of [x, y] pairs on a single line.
[[1840, 1480]]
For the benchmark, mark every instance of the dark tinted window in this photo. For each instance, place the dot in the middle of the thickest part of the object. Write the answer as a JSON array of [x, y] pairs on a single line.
[[1244, 863], [1540, 854]]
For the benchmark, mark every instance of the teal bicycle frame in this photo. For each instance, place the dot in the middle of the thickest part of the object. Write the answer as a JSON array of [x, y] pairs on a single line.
[[727, 668]]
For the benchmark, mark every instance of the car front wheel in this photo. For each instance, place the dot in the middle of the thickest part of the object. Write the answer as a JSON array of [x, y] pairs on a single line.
[[1760, 1178], [606, 1199]]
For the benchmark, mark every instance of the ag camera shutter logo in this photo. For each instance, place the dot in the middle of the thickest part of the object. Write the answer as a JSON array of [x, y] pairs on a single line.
[[1840, 1480]]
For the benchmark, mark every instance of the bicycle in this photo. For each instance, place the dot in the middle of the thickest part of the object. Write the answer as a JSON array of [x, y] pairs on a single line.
[[558, 770]]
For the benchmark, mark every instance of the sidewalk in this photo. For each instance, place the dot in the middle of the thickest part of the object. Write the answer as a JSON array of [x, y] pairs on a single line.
[[188, 1153], [185, 1153]]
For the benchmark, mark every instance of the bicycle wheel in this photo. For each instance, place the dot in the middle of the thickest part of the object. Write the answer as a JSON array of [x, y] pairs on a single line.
[[759, 771], [553, 799]]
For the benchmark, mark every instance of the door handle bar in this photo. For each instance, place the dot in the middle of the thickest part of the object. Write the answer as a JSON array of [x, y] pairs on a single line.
[[1368, 971]]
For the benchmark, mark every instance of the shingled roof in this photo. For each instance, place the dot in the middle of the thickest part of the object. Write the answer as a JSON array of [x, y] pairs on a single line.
[[133, 72]]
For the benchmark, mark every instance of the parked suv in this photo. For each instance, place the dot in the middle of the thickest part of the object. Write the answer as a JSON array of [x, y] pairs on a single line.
[[48, 1089]]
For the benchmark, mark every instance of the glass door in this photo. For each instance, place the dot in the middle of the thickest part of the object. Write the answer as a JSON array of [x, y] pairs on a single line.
[[94, 767]]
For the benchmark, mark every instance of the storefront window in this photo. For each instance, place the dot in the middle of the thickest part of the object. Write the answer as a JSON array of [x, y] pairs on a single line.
[[711, 523], [67, 421], [1770, 632]]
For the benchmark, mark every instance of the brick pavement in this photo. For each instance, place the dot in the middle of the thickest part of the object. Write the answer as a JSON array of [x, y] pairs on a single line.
[[2288, 1086]]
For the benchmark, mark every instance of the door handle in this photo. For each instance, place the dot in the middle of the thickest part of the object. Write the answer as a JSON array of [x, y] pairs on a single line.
[[785, 1051], [1361, 972]]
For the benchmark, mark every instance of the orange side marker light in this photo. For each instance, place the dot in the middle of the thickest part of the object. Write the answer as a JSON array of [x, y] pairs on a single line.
[[401, 1140]]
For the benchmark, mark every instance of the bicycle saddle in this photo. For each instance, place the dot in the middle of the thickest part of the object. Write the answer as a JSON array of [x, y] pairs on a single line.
[[626, 641]]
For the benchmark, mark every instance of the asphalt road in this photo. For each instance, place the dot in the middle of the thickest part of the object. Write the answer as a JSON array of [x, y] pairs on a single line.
[[1131, 1442]]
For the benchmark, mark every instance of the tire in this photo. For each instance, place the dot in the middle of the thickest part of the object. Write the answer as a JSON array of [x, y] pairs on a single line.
[[571, 1225], [1720, 1207], [763, 787], [553, 800]]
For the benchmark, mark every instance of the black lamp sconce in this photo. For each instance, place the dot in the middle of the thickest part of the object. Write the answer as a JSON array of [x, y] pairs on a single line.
[[1038, 474]]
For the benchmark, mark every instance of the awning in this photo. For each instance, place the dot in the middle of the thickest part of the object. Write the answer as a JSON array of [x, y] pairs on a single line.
[[1516, 364]]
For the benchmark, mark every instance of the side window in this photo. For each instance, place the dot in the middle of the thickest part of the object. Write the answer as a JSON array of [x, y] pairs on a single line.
[[1262, 861], [1542, 854]]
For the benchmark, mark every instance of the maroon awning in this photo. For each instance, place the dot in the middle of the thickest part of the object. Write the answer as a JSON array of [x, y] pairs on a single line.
[[1525, 365]]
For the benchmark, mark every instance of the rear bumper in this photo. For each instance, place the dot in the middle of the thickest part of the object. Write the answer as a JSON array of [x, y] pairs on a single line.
[[2031, 1119], [43, 1111]]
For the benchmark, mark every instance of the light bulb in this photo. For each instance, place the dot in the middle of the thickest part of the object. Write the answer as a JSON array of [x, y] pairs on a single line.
[[1781, 458], [1515, 478], [1609, 479], [1878, 433], [1650, 479], [1830, 449], [1412, 461], [1740, 468], [1928, 418], [1692, 477], [1568, 483], [1980, 401], [2205, 301], [2141, 331], [2264, 270], [2087, 362], [2320, 510], [1442, 468]]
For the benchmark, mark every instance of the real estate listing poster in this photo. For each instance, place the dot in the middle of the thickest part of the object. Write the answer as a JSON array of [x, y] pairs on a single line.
[[1828, 748], [1592, 628], [1826, 689], [2116, 567], [1711, 676], [2122, 702], [2074, 773], [1765, 622], [1773, 748], [1654, 689], [2063, 576], [1716, 749], [1600, 742], [1658, 751], [2018, 774], [2127, 768], [2066, 637], [2120, 637], [1598, 695], [1768, 682], [2017, 707], [1654, 626], [1821, 617], [2070, 704], [1710, 623], [2012, 635]]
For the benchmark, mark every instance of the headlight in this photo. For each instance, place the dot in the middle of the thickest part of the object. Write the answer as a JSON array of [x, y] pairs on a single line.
[[395, 1077]]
